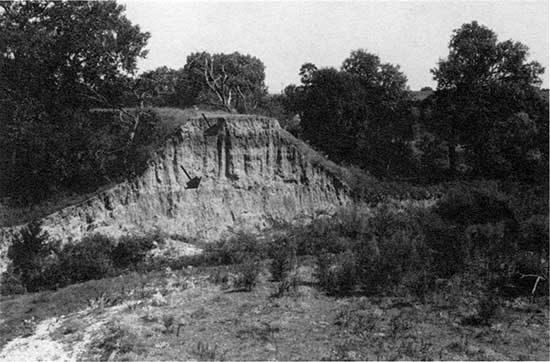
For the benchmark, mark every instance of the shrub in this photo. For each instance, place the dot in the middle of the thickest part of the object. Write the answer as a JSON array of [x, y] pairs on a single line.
[[389, 262], [287, 286], [10, 282], [337, 274], [446, 247], [323, 273], [168, 321], [283, 255], [247, 274], [329, 235], [118, 339], [87, 260], [131, 250], [534, 234], [474, 205], [235, 250], [487, 309]]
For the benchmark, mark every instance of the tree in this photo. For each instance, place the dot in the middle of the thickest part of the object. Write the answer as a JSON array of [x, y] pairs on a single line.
[[55, 51], [159, 87], [387, 128], [333, 111], [29, 256], [358, 114], [232, 81], [57, 60], [483, 85]]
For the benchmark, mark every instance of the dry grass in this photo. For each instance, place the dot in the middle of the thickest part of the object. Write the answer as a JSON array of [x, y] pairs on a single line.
[[194, 319]]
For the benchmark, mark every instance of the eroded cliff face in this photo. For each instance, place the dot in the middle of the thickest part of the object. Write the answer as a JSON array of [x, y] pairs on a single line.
[[252, 171]]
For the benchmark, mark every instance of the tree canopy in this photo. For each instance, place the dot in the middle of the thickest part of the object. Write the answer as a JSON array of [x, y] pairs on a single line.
[[357, 114], [159, 87], [233, 81], [55, 52], [485, 89], [57, 60]]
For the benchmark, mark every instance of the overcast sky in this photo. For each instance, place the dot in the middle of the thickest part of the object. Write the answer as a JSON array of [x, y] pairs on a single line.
[[284, 35]]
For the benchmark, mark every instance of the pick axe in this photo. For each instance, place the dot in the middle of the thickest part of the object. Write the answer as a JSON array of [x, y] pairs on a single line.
[[193, 182]]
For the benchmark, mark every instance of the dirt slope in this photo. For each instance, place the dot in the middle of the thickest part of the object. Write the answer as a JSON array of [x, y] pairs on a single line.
[[252, 173]]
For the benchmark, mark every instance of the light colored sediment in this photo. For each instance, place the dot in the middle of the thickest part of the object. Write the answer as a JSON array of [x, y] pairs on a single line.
[[253, 172]]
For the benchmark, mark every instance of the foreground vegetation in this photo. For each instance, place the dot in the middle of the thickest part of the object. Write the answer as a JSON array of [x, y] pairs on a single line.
[[124, 319], [466, 278]]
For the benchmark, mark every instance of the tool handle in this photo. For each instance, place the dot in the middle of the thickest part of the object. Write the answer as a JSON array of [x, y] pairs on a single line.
[[206, 119], [186, 174]]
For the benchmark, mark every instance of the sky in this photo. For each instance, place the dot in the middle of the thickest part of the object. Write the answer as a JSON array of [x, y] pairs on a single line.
[[287, 34]]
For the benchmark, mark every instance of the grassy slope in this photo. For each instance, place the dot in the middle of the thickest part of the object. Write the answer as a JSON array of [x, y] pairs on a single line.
[[122, 317]]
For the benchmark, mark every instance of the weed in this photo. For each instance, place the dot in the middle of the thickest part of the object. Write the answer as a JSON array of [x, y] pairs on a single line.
[[150, 316], [264, 332], [401, 324], [204, 352], [221, 277], [69, 326], [358, 318], [247, 275], [116, 339], [168, 322], [414, 349], [487, 309], [104, 300], [199, 313], [287, 286]]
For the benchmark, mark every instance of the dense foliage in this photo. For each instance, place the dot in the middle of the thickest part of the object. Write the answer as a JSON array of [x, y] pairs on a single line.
[[490, 238], [233, 82], [475, 236], [358, 114], [488, 102], [57, 60], [488, 117], [38, 262]]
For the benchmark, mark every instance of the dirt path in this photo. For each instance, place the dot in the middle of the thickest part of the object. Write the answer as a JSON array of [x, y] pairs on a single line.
[[38, 347]]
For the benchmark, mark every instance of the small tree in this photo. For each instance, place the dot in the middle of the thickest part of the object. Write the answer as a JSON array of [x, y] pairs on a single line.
[[29, 254]]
